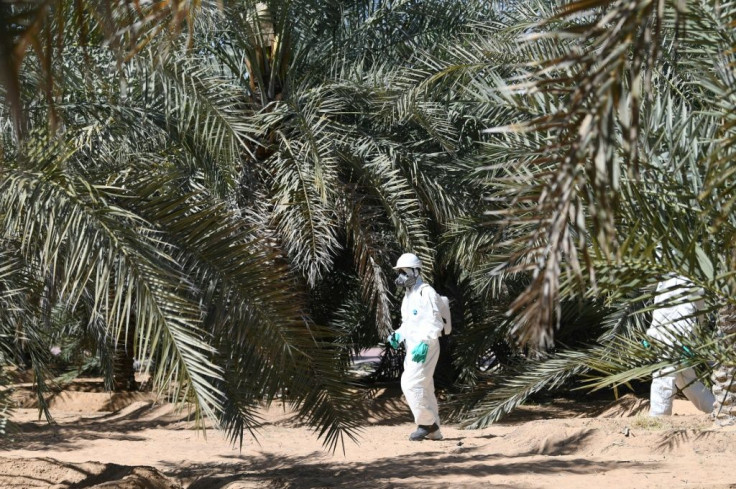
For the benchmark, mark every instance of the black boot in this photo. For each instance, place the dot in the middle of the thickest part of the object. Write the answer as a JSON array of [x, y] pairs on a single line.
[[430, 432]]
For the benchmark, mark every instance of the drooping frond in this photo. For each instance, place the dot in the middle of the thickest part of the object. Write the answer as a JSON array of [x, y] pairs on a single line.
[[303, 178], [582, 102], [257, 318], [87, 243], [518, 386], [369, 255], [42, 27]]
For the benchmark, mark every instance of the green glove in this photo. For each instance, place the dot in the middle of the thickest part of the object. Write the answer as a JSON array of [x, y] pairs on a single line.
[[419, 353], [394, 339]]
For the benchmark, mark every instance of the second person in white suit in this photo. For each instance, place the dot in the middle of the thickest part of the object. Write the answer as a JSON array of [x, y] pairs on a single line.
[[672, 321]]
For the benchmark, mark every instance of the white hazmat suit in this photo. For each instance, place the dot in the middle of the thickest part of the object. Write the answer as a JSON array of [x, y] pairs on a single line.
[[669, 323], [421, 322]]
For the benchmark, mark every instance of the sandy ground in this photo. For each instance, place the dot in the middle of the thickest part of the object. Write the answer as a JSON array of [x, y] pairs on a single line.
[[133, 442]]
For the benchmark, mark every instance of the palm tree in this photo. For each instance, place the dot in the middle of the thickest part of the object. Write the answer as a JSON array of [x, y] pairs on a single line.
[[196, 205], [609, 142], [152, 252], [347, 169]]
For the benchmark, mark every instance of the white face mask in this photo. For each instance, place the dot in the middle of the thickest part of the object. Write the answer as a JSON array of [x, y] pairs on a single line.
[[407, 278]]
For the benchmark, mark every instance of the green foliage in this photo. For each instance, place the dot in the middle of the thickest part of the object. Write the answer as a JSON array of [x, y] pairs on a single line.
[[600, 147], [231, 199], [187, 203]]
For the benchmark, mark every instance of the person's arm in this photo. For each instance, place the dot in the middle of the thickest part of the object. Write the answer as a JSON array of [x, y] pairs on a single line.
[[432, 324], [438, 325], [395, 338], [430, 303]]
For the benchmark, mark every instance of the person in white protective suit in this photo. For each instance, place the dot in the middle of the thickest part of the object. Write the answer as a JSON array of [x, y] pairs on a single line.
[[421, 326], [671, 322]]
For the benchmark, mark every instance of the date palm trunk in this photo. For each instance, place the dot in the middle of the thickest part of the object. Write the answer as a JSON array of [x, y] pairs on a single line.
[[123, 369]]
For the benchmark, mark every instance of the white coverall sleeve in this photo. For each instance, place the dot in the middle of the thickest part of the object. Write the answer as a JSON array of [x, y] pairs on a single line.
[[401, 331]]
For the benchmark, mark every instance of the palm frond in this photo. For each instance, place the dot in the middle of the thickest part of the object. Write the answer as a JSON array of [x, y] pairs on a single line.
[[42, 26], [515, 387], [207, 115], [369, 255], [303, 180], [119, 259], [264, 342]]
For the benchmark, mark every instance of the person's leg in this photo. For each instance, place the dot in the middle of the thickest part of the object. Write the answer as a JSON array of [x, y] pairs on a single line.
[[433, 356], [417, 385], [662, 392], [687, 381], [412, 385]]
